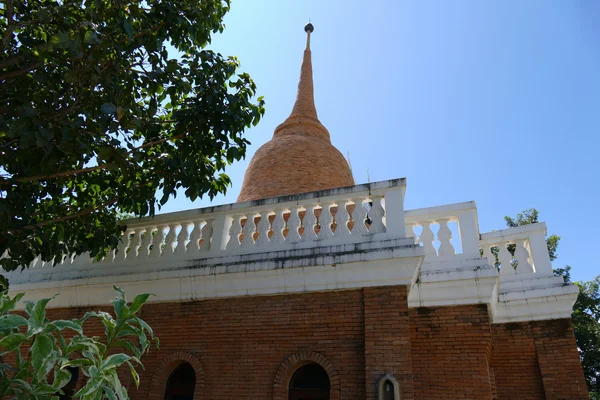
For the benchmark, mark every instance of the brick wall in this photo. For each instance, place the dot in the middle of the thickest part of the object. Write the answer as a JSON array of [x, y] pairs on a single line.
[[387, 339], [537, 360], [247, 348], [450, 351], [558, 359], [242, 342], [515, 363]]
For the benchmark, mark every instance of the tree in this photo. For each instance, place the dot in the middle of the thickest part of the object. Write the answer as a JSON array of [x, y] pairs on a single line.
[[47, 361], [586, 310], [108, 107]]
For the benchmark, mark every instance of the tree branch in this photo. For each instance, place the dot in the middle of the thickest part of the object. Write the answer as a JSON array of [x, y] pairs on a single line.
[[19, 72], [91, 169], [10, 25], [66, 217]]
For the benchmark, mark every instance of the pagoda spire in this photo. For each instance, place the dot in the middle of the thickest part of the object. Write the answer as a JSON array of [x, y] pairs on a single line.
[[299, 158], [304, 111], [305, 99]]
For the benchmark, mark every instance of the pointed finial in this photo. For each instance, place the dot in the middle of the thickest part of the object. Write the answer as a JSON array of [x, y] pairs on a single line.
[[308, 28], [304, 111]]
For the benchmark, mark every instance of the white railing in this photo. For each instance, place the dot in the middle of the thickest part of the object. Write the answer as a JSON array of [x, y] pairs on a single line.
[[338, 216], [342, 216], [515, 251], [518, 251], [431, 228]]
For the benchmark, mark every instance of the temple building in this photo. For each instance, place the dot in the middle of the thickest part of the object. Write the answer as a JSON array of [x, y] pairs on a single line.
[[314, 287]]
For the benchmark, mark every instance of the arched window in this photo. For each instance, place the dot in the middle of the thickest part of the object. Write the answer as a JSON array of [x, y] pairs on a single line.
[[181, 383], [309, 382], [389, 388]]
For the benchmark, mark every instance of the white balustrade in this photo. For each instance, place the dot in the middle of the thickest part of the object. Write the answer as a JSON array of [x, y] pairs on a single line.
[[518, 251], [431, 228], [343, 216]]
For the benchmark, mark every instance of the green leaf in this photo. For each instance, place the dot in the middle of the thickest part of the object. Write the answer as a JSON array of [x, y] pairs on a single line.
[[110, 394], [91, 387], [61, 40], [120, 291], [37, 315], [134, 374], [91, 37], [115, 360], [65, 324], [41, 354], [12, 341], [62, 376], [138, 302], [7, 304], [80, 362], [11, 321]]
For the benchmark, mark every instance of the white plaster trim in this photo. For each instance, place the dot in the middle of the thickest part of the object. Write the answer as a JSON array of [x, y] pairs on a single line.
[[317, 269], [470, 281], [535, 298]]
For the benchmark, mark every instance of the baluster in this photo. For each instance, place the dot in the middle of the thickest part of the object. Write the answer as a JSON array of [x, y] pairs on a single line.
[[193, 246], [144, 251], [376, 215], [264, 226], [522, 256], [124, 245], [409, 231], [325, 221], [359, 215], [505, 260], [36, 263], [278, 228], [157, 242], [170, 240], [293, 226], [341, 219], [309, 222], [234, 233], [207, 231], [249, 229], [182, 239], [445, 236], [137, 242], [487, 253], [426, 239]]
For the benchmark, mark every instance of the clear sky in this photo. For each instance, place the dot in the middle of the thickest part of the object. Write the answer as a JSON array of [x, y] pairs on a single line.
[[492, 101]]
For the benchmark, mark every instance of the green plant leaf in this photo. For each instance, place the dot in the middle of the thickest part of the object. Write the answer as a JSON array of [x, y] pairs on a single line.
[[41, 353], [11, 321], [62, 376], [114, 361], [134, 374], [12, 341], [66, 324], [138, 302], [37, 316], [7, 304]]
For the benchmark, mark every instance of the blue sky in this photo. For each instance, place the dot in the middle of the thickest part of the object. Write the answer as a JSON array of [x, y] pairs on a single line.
[[497, 102]]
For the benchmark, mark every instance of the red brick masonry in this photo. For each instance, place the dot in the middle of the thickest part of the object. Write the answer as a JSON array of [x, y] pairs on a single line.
[[248, 348]]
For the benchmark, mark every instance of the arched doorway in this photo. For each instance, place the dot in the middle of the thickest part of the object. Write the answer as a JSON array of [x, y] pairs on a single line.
[[181, 383], [309, 382]]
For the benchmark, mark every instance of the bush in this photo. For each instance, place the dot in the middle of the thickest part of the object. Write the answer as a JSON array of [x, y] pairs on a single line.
[[47, 363]]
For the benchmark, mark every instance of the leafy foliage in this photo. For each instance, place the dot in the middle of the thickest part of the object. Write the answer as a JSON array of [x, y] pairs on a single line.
[[586, 311], [45, 371], [528, 217], [108, 107], [586, 323]]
